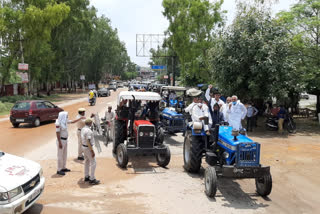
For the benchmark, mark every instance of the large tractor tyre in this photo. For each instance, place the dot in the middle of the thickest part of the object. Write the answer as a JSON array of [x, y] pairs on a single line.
[[122, 155], [192, 149], [119, 133], [264, 185], [160, 136], [164, 159], [210, 181]]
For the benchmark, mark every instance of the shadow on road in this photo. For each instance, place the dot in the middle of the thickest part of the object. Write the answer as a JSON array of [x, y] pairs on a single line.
[[34, 209], [233, 196], [172, 142], [231, 193], [30, 126]]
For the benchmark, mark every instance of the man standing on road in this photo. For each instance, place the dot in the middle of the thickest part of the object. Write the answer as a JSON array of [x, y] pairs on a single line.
[[216, 98], [237, 112], [281, 116], [110, 116], [62, 140], [251, 113], [80, 125], [89, 155]]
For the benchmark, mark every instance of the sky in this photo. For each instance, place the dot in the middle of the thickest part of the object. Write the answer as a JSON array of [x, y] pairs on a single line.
[[132, 17]]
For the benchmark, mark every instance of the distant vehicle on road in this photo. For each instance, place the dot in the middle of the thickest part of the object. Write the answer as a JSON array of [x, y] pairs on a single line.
[[113, 86], [120, 85], [22, 183], [103, 92], [33, 112]]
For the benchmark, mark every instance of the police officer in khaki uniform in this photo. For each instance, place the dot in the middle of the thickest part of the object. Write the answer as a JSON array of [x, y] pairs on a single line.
[[62, 140], [89, 155], [80, 125]]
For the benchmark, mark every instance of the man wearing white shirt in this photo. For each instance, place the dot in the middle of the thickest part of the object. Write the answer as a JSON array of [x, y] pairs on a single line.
[[214, 100], [225, 108], [237, 112], [199, 112]]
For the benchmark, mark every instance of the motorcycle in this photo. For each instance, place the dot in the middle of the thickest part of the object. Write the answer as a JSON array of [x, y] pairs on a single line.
[[106, 131], [289, 124]]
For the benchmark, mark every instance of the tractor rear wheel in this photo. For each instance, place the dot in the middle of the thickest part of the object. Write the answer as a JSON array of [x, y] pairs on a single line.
[[164, 159], [264, 185], [119, 133], [210, 181], [192, 150], [122, 155]]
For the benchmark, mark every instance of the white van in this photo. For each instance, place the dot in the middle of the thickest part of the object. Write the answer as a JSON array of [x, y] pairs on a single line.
[[21, 183]]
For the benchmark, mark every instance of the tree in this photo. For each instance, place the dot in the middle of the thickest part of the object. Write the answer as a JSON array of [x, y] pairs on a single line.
[[253, 57], [303, 24], [191, 25]]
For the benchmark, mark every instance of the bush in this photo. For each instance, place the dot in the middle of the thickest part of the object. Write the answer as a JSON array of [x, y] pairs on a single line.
[[4, 107], [14, 99]]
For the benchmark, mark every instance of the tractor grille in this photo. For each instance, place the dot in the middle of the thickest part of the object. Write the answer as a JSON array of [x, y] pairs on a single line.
[[248, 154], [146, 141], [27, 187], [178, 123]]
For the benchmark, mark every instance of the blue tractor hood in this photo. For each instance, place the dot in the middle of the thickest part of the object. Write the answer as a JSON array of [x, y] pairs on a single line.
[[226, 137], [170, 112]]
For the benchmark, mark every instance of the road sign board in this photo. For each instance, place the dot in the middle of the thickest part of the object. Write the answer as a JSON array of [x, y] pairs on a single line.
[[23, 67], [158, 67], [82, 77], [24, 77]]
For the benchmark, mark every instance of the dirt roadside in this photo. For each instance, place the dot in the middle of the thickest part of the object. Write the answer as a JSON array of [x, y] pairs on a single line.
[[146, 188]]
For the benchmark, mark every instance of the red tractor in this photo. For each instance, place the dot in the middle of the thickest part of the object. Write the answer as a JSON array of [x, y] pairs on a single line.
[[136, 129]]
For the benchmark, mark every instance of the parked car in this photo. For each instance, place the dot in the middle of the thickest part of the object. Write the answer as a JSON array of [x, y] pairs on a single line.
[[103, 92], [22, 183], [120, 85], [33, 112], [113, 87]]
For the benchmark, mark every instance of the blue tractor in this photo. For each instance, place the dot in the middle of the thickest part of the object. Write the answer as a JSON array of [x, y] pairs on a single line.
[[172, 110], [227, 155]]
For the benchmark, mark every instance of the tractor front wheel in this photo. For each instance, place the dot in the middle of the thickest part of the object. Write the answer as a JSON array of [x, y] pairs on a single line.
[[210, 181], [122, 155], [164, 159], [264, 185]]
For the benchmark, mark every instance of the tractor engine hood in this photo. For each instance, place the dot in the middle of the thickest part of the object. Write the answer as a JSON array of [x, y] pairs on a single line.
[[138, 123], [170, 112]]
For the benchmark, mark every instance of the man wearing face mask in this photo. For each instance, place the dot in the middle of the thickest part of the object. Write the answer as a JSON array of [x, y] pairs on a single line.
[[237, 112], [200, 113]]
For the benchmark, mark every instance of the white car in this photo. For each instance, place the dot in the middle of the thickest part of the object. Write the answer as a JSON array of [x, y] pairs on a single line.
[[21, 183]]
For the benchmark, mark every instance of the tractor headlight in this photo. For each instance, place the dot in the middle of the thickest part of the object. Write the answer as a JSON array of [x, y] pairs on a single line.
[[140, 134], [226, 155], [4, 198], [151, 134]]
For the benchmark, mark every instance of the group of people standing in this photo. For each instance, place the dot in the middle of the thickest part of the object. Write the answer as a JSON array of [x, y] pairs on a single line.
[[217, 111], [86, 142]]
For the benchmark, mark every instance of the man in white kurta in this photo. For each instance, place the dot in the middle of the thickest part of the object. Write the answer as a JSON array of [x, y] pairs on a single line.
[[237, 112]]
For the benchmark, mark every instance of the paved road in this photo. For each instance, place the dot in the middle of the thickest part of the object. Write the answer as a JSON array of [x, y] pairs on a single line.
[[146, 188]]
